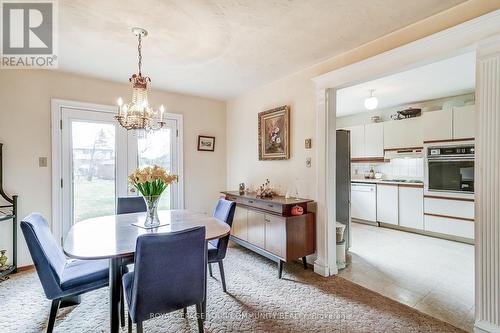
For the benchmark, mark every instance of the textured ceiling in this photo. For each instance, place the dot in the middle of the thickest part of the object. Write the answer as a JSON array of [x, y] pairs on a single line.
[[449, 77], [222, 48]]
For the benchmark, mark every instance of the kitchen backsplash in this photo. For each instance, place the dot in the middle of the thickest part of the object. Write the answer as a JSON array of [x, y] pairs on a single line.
[[399, 168]]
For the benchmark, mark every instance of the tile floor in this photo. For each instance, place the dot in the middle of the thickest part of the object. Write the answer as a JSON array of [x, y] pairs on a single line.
[[432, 275]]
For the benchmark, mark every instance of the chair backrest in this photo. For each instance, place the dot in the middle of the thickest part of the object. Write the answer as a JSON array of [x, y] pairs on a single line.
[[169, 272], [127, 205], [47, 256], [224, 211]]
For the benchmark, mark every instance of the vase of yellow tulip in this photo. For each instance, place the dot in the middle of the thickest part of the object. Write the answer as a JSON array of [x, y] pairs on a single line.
[[151, 182]]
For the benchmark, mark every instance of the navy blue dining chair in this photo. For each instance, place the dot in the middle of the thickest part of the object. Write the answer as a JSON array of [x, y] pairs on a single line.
[[127, 205], [62, 279], [169, 275], [224, 211]]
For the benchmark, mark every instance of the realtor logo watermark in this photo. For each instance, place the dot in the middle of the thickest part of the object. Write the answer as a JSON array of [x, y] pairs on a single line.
[[28, 34]]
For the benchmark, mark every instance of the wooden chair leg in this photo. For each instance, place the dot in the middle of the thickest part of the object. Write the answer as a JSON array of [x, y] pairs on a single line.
[[53, 313], [199, 317], [139, 327], [222, 277], [129, 328], [210, 270]]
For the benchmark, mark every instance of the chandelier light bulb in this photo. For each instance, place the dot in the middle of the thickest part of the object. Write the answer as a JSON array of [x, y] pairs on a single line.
[[371, 102]]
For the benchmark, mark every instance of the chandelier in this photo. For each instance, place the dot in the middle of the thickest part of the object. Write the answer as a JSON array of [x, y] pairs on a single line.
[[138, 114]]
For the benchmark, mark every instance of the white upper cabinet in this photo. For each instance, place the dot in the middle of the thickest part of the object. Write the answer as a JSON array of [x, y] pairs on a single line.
[[403, 133], [464, 122], [374, 140], [387, 204], [357, 141], [438, 125]]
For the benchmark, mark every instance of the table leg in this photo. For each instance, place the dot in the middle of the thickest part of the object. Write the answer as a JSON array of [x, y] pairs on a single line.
[[114, 294], [204, 303]]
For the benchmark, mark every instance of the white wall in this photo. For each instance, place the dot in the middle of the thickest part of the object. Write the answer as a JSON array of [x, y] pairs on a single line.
[[25, 97]]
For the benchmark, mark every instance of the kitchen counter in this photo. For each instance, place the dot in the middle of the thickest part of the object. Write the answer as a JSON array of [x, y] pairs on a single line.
[[387, 182]]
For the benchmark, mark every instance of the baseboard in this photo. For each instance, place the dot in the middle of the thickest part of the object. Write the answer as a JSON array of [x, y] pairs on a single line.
[[25, 268], [321, 269], [482, 326]]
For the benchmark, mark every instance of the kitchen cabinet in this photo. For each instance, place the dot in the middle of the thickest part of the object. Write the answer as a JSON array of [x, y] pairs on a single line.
[[387, 204], [464, 122], [357, 141], [374, 140], [449, 216], [449, 226], [364, 202], [411, 207], [256, 228], [404, 133], [275, 235], [438, 125]]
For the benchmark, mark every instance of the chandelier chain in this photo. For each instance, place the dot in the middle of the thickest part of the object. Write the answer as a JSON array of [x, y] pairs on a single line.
[[139, 48]]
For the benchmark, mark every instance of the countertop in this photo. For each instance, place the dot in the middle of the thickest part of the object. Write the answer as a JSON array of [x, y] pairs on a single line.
[[276, 199], [387, 182]]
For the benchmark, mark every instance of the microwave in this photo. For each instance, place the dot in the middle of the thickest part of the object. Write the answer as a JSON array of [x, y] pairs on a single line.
[[450, 168]]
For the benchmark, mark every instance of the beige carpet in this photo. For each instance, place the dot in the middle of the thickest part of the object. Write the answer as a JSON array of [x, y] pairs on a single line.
[[256, 302]]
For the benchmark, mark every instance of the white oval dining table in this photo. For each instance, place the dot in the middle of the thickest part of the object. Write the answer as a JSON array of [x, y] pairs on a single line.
[[114, 237]]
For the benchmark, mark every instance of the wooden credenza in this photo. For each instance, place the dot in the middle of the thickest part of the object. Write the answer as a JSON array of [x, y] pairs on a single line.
[[267, 227]]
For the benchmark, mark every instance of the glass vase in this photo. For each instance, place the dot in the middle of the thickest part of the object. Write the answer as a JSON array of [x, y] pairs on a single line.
[[152, 211]]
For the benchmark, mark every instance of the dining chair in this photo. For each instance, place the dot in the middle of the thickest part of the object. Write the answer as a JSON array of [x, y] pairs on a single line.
[[128, 205], [62, 280], [169, 275], [224, 211]]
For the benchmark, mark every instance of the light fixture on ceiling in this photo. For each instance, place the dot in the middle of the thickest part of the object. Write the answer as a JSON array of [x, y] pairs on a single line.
[[371, 102], [138, 114]]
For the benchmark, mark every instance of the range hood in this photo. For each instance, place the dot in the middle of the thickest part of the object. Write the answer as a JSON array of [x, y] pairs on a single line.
[[412, 152]]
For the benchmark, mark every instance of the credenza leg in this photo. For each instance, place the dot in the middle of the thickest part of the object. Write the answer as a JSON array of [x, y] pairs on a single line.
[[280, 269], [304, 261]]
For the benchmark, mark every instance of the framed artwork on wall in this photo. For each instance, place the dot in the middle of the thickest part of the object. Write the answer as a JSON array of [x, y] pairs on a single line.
[[274, 134], [206, 143]]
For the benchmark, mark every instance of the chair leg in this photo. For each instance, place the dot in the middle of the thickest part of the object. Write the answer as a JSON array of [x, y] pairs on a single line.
[[210, 269], [139, 327], [184, 312], [129, 328], [199, 311], [222, 277], [122, 307], [53, 313]]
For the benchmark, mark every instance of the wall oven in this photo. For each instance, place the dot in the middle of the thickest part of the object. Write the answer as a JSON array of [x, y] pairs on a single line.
[[450, 168]]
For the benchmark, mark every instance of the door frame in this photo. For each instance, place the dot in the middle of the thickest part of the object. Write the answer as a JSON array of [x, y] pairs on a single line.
[[56, 161]]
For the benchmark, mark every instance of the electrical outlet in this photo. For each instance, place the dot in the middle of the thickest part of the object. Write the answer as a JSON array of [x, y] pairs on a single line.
[[42, 162]]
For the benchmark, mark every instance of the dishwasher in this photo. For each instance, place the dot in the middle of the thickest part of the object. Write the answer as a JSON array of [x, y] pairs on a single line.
[[364, 202]]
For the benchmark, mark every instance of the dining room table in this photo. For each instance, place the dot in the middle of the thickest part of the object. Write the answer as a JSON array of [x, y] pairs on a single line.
[[114, 237]]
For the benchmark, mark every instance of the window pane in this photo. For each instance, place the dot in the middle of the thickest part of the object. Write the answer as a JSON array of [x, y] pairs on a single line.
[[93, 153], [154, 148]]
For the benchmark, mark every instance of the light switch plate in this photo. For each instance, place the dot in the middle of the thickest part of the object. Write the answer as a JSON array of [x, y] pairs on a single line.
[[42, 162], [308, 162]]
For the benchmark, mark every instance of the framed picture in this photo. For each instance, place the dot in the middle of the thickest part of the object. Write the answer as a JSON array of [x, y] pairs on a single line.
[[274, 134], [206, 143]]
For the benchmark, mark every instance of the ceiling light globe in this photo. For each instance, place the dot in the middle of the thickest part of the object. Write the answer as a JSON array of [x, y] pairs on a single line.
[[371, 103]]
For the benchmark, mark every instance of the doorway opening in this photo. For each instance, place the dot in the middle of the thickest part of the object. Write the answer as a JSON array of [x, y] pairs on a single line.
[[411, 194]]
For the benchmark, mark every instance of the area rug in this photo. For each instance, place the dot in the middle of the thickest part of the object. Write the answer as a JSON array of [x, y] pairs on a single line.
[[256, 301]]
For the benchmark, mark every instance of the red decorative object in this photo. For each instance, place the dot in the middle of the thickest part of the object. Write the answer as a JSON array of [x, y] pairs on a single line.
[[297, 210]]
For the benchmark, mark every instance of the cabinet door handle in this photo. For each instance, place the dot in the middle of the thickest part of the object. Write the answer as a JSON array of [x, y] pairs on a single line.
[[270, 206], [250, 201]]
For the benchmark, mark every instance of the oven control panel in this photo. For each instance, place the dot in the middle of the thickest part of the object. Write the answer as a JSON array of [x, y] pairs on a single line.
[[450, 151]]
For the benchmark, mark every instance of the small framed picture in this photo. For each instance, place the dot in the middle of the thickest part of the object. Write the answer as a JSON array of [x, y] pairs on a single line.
[[206, 143]]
